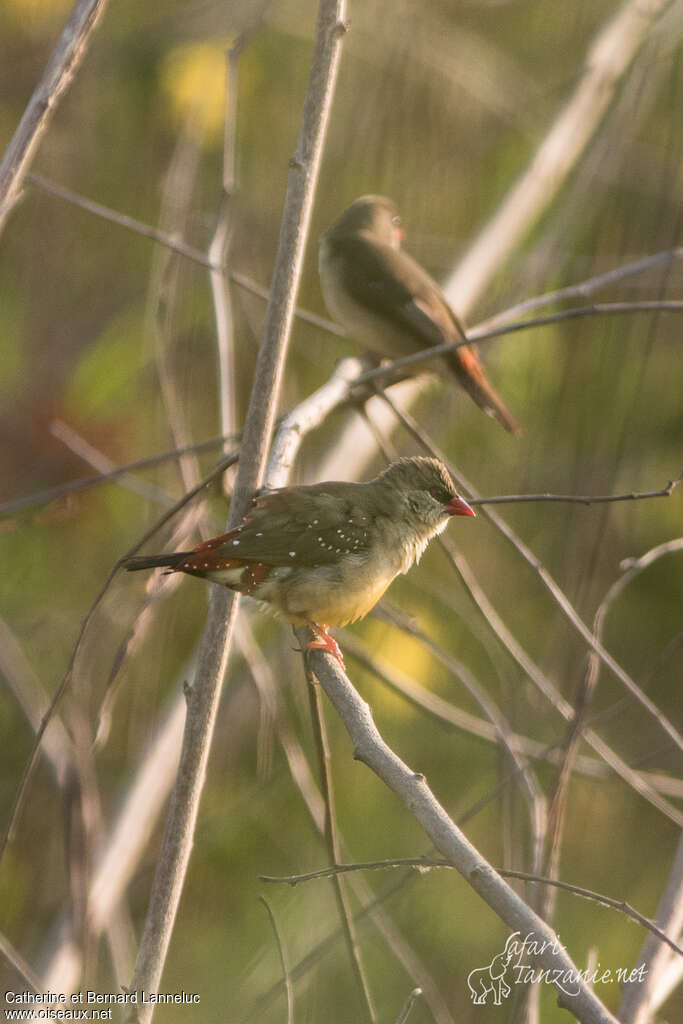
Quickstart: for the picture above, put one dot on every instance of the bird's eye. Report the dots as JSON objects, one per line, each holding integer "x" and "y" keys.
{"x": 396, "y": 221}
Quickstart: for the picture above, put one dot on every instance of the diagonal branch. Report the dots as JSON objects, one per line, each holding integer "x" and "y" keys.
{"x": 412, "y": 788}
{"x": 59, "y": 73}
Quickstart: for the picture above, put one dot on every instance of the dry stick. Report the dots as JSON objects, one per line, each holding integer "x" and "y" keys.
{"x": 177, "y": 245}
{"x": 639, "y": 1001}
{"x": 332, "y": 840}
{"x": 426, "y": 863}
{"x": 203, "y": 701}
{"x": 580, "y": 290}
{"x": 396, "y": 368}
{"x": 80, "y": 447}
{"x": 609, "y": 57}
{"x": 62, "y": 687}
{"x": 283, "y": 960}
{"x": 75, "y": 486}
{"x": 580, "y": 499}
{"x": 554, "y": 589}
{"x": 64, "y": 62}
{"x": 412, "y": 789}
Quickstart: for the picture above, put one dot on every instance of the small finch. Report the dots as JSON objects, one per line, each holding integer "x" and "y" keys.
{"x": 388, "y": 303}
{"x": 323, "y": 554}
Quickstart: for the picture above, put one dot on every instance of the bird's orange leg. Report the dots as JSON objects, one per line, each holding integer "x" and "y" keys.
{"x": 324, "y": 642}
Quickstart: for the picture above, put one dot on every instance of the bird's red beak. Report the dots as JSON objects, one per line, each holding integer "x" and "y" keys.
{"x": 459, "y": 507}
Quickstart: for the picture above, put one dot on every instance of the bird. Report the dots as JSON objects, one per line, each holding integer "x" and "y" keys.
{"x": 323, "y": 554}
{"x": 389, "y": 303}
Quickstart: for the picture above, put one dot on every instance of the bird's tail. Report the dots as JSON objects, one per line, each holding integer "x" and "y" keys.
{"x": 169, "y": 561}
{"x": 465, "y": 364}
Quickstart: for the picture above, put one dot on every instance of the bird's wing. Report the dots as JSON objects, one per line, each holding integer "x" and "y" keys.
{"x": 297, "y": 526}
{"x": 389, "y": 281}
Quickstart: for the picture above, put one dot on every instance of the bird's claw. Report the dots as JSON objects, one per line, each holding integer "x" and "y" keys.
{"x": 324, "y": 642}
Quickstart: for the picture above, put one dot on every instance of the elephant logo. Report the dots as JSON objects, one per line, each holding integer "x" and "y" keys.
{"x": 483, "y": 981}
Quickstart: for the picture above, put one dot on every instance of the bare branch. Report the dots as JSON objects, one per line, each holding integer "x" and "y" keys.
{"x": 65, "y": 61}
{"x": 412, "y": 789}
{"x": 427, "y": 863}
{"x": 138, "y": 227}
{"x": 581, "y": 289}
{"x": 395, "y": 370}
{"x": 580, "y": 499}
{"x": 609, "y": 58}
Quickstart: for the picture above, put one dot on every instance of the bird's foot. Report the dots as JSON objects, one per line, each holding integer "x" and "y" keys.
{"x": 324, "y": 642}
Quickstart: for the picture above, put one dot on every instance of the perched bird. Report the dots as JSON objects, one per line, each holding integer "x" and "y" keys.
{"x": 390, "y": 304}
{"x": 322, "y": 555}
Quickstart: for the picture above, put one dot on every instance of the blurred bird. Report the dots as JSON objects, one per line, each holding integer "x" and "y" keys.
{"x": 322, "y": 555}
{"x": 389, "y": 303}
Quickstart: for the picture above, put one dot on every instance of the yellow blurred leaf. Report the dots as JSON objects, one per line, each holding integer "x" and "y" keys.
{"x": 194, "y": 79}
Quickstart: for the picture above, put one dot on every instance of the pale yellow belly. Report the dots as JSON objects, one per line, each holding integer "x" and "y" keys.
{"x": 326, "y": 600}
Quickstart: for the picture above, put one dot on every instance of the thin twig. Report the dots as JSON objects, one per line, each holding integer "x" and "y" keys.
{"x": 177, "y": 245}
{"x": 66, "y": 58}
{"x": 396, "y": 369}
{"x": 283, "y": 960}
{"x": 580, "y": 499}
{"x": 84, "y": 484}
{"x": 581, "y": 289}
{"x": 609, "y": 57}
{"x": 427, "y": 863}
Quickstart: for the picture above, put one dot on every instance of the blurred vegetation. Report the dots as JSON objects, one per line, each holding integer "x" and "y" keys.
{"x": 440, "y": 106}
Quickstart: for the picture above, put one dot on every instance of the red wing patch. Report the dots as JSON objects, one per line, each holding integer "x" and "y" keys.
{"x": 215, "y": 542}
{"x": 254, "y": 574}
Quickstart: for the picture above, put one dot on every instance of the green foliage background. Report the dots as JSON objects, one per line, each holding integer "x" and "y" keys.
{"x": 440, "y": 106}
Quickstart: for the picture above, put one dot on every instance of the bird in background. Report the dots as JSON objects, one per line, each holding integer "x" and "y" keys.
{"x": 323, "y": 554}
{"x": 389, "y": 303}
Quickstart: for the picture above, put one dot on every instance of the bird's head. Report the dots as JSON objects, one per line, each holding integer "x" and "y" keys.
{"x": 374, "y": 215}
{"x": 427, "y": 490}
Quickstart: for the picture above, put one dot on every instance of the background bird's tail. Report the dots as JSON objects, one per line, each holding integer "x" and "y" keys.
{"x": 465, "y": 364}
{"x": 169, "y": 561}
